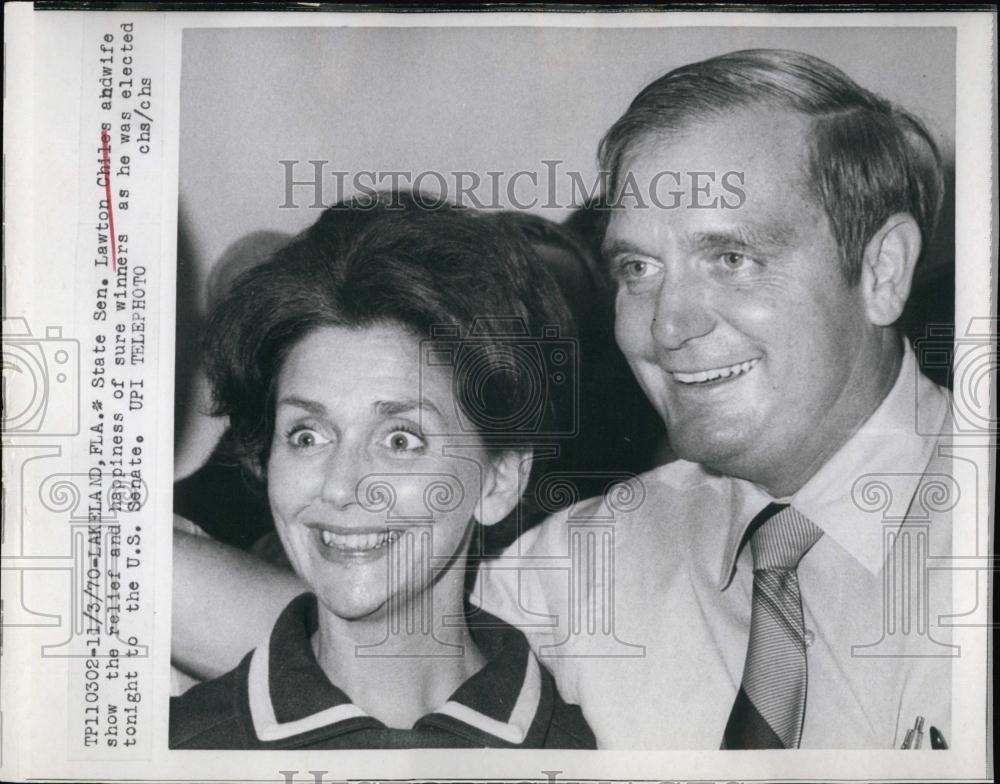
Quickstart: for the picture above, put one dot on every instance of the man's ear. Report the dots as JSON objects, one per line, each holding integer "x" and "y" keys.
{"x": 887, "y": 268}
{"x": 505, "y": 478}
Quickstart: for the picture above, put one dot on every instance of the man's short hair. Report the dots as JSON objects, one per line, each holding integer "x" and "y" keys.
{"x": 868, "y": 158}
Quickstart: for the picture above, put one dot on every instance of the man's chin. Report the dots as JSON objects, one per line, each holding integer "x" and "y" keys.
{"x": 724, "y": 452}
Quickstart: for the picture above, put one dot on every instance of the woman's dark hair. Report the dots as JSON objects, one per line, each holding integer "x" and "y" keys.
{"x": 472, "y": 289}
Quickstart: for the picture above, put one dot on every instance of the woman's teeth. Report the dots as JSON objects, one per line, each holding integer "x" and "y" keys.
{"x": 701, "y": 376}
{"x": 372, "y": 541}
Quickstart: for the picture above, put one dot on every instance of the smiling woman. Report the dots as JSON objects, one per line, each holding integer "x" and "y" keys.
{"x": 371, "y": 380}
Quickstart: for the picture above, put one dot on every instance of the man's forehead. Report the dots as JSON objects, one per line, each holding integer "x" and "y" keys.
{"x": 742, "y": 175}
{"x": 768, "y": 147}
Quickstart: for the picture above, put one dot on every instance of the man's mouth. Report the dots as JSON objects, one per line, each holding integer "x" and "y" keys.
{"x": 361, "y": 542}
{"x": 714, "y": 374}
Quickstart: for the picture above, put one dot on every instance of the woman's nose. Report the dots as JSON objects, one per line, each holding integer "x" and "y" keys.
{"x": 342, "y": 473}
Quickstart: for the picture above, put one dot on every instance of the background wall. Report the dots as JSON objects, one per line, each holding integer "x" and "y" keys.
{"x": 461, "y": 98}
{"x": 447, "y": 99}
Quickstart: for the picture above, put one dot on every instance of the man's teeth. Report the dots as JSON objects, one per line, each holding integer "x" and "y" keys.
{"x": 701, "y": 376}
{"x": 372, "y": 541}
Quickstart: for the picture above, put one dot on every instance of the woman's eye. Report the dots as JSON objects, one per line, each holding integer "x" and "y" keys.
{"x": 304, "y": 438}
{"x": 404, "y": 441}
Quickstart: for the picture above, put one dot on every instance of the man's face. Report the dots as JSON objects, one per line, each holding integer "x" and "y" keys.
{"x": 738, "y": 322}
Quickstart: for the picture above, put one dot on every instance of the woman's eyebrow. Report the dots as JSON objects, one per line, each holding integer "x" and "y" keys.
{"x": 311, "y": 406}
{"x": 386, "y": 408}
{"x": 391, "y": 408}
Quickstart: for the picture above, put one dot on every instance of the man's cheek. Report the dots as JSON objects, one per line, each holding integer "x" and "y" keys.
{"x": 632, "y": 330}
{"x": 654, "y": 383}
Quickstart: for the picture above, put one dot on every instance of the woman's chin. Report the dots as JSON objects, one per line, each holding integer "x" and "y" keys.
{"x": 351, "y": 607}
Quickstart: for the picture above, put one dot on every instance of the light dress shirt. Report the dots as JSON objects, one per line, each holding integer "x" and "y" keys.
{"x": 639, "y": 601}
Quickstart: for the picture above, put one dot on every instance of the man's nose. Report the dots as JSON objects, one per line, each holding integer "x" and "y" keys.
{"x": 342, "y": 471}
{"x": 681, "y": 313}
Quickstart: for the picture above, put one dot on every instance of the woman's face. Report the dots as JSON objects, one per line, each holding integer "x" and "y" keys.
{"x": 368, "y": 504}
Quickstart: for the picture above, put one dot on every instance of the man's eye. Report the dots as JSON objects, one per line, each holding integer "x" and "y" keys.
{"x": 735, "y": 261}
{"x": 404, "y": 441}
{"x": 304, "y": 438}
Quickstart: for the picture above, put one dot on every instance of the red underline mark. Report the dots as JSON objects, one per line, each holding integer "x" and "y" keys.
{"x": 106, "y": 154}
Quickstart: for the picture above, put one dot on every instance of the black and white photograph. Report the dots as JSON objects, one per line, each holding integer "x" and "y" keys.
{"x": 589, "y": 395}
{"x": 418, "y": 365}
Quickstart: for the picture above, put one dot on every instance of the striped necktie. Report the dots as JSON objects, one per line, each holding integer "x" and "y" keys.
{"x": 771, "y": 702}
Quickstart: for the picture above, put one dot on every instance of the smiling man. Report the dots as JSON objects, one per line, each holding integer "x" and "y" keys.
{"x": 770, "y": 588}
{"x": 748, "y": 601}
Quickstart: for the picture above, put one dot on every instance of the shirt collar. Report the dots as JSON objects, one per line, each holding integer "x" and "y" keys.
{"x": 504, "y": 698}
{"x": 289, "y": 694}
{"x": 746, "y": 500}
{"x": 894, "y": 445}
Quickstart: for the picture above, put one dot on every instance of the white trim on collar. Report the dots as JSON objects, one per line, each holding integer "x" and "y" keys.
{"x": 268, "y": 729}
{"x": 515, "y": 729}
{"x": 265, "y": 724}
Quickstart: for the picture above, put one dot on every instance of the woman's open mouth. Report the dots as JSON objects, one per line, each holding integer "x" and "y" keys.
{"x": 360, "y": 542}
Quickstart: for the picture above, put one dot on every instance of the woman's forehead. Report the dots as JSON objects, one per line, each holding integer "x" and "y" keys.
{"x": 380, "y": 366}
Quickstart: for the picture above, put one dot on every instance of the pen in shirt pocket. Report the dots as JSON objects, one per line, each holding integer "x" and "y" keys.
{"x": 914, "y": 737}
